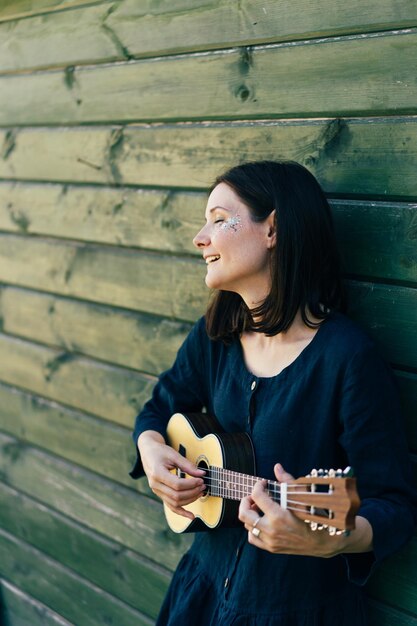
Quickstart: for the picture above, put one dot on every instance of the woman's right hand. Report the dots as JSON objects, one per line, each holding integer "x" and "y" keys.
{"x": 158, "y": 460}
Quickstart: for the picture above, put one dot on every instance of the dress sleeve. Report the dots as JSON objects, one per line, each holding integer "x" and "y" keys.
{"x": 181, "y": 388}
{"x": 373, "y": 437}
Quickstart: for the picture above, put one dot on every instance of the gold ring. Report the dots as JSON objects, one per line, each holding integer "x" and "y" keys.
{"x": 256, "y": 532}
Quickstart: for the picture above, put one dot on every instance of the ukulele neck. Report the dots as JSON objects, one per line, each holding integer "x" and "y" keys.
{"x": 235, "y": 486}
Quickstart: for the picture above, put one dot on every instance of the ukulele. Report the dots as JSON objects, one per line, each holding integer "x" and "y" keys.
{"x": 324, "y": 499}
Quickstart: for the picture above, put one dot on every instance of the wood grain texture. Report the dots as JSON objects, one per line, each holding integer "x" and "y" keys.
{"x": 119, "y": 513}
{"x": 374, "y": 157}
{"x": 20, "y": 609}
{"x": 143, "y": 218}
{"x": 308, "y": 79}
{"x": 105, "y": 449}
{"x": 142, "y": 28}
{"x": 141, "y": 281}
{"x": 377, "y": 238}
{"x": 56, "y": 586}
{"x": 18, "y": 9}
{"x": 135, "y": 340}
{"x": 388, "y": 314}
{"x": 115, "y": 569}
{"x": 106, "y": 391}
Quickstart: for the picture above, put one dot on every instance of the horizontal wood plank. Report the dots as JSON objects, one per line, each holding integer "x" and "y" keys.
{"x": 139, "y": 341}
{"x": 56, "y": 586}
{"x": 141, "y": 281}
{"x": 109, "y": 565}
{"x": 377, "y": 238}
{"x": 356, "y": 157}
{"x": 117, "y": 512}
{"x": 309, "y": 79}
{"x": 388, "y": 314}
{"x": 17, "y": 9}
{"x": 106, "y": 391}
{"x": 20, "y": 609}
{"x": 57, "y": 39}
{"x": 150, "y": 344}
{"x": 101, "y": 447}
{"x": 173, "y": 286}
{"x": 149, "y": 219}
{"x": 135, "y": 28}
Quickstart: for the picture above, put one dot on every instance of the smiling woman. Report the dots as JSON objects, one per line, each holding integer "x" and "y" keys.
{"x": 275, "y": 358}
{"x": 236, "y": 247}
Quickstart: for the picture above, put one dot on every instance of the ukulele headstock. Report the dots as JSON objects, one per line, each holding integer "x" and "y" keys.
{"x": 330, "y": 500}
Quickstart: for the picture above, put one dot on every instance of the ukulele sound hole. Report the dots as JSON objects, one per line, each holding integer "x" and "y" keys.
{"x": 202, "y": 463}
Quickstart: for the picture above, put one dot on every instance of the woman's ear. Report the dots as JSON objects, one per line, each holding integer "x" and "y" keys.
{"x": 271, "y": 232}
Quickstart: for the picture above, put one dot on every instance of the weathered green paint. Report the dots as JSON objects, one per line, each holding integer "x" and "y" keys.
{"x": 58, "y": 587}
{"x": 148, "y": 282}
{"x": 98, "y": 279}
{"x": 373, "y": 157}
{"x": 377, "y": 238}
{"x": 13, "y": 9}
{"x": 309, "y": 79}
{"x": 19, "y": 609}
{"x": 136, "y": 340}
{"x": 388, "y": 312}
{"x": 133, "y": 579}
{"x": 103, "y": 448}
{"x": 119, "y": 513}
{"x": 149, "y": 219}
{"x": 136, "y": 28}
{"x": 110, "y": 392}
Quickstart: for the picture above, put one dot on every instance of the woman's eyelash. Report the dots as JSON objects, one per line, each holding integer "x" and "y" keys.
{"x": 218, "y": 220}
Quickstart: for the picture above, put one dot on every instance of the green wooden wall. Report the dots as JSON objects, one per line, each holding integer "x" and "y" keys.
{"x": 114, "y": 119}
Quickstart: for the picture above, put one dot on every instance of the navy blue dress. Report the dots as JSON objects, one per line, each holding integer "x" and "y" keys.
{"x": 335, "y": 405}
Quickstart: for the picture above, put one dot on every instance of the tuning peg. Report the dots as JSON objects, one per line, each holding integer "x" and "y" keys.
{"x": 320, "y": 472}
{"x": 313, "y": 525}
{"x": 332, "y": 473}
{"x": 332, "y": 530}
{"x": 314, "y": 473}
{"x": 348, "y": 471}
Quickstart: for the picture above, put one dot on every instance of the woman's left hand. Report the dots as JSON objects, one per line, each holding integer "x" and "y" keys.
{"x": 279, "y": 530}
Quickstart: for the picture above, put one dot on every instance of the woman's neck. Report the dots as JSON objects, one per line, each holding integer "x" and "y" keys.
{"x": 268, "y": 356}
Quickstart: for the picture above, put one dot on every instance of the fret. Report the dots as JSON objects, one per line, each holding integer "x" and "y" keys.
{"x": 235, "y": 486}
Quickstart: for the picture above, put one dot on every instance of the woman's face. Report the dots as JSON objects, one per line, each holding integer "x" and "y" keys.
{"x": 236, "y": 249}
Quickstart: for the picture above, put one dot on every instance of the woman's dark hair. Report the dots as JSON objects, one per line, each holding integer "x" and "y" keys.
{"x": 305, "y": 262}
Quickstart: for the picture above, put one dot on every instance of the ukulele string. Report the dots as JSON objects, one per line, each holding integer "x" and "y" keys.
{"x": 241, "y": 494}
{"x": 228, "y": 485}
{"x": 271, "y": 485}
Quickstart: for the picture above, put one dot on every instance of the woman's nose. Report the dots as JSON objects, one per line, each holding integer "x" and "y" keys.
{"x": 201, "y": 239}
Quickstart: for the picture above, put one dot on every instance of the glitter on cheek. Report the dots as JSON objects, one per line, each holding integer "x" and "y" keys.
{"x": 233, "y": 223}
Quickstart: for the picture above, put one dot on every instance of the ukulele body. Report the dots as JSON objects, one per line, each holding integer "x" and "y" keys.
{"x": 199, "y": 438}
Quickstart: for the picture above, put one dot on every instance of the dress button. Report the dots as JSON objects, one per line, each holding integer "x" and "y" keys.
{"x": 226, "y": 582}
{"x": 253, "y": 385}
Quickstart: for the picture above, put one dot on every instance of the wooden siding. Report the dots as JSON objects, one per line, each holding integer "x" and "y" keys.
{"x": 114, "y": 119}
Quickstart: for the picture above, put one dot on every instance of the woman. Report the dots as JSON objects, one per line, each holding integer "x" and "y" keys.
{"x": 275, "y": 357}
